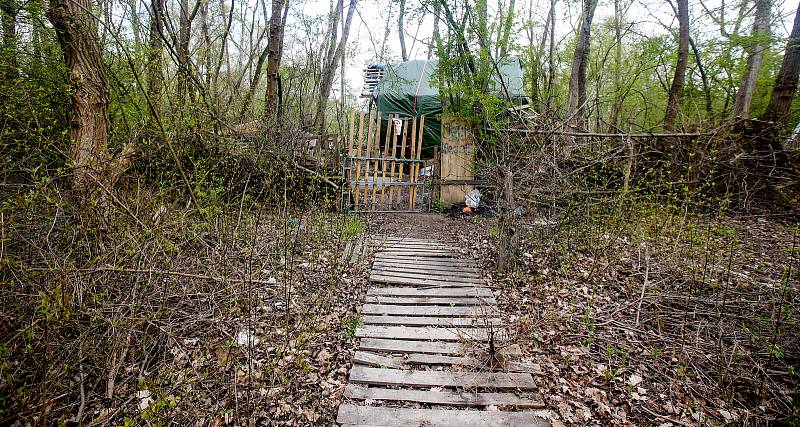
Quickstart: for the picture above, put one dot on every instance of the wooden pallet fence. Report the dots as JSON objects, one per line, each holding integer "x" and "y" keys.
{"x": 382, "y": 166}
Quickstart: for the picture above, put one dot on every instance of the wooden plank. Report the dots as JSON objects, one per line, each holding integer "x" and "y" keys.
{"x": 390, "y": 238}
{"x": 404, "y": 346}
{"x": 358, "y": 162}
{"x": 428, "y": 283}
{"x": 415, "y": 176}
{"x": 390, "y": 265}
{"x": 352, "y": 133}
{"x": 385, "y": 163}
{"x": 376, "y": 360}
{"x": 471, "y": 380}
{"x": 422, "y": 333}
{"x": 392, "y": 165}
{"x": 416, "y": 277}
{"x": 437, "y": 359}
{"x": 355, "y": 415}
{"x": 368, "y": 153}
{"x": 402, "y": 164}
{"x": 431, "y": 321}
{"x": 444, "y": 397}
{"x": 451, "y": 301}
{"x": 375, "y": 162}
{"x": 411, "y": 166}
{"x": 400, "y": 310}
{"x": 384, "y": 269}
{"x": 452, "y": 260}
{"x": 435, "y": 292}
{"x": 432, "y": 252}
{"x": 429, "y": 264}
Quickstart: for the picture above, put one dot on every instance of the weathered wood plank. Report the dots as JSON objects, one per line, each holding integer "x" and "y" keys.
{"x": 433, "y": 292}
{"x": 431, "y": 321}
{"x": 401, "y": 346}
{"x": 372, "y": 359}
{"x": 409, "y": 378}
{"x": 430, "y": 261}
{"x": 382, "y": 278}
{"x": 436, "y": 359}
{"x": 451, "y": 301}
{"x": 423, "y": 333}
{"x": 412, "y": 274}
{"x": 451, "y": 267}
{"x": 406, "y": 270}
{"x": 430, "y": 311}
{"x": 355, "y": 415}
{"x": 445, "y": 397}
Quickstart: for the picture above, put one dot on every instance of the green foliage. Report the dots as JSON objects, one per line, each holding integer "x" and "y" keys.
{"x": 349, "y": 227}
{"x": 349, "y": 326}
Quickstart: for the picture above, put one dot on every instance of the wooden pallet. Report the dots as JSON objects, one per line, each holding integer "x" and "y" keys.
{"x": 423, "y": 352}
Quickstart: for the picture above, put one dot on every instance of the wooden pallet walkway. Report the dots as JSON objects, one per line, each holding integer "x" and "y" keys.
{"x": 423, "y": 355}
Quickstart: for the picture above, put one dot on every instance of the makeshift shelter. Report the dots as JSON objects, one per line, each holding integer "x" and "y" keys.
{"x": 411, "y": 89}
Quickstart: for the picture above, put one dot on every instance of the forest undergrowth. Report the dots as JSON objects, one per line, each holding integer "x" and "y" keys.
{"x": 169, "y": 316}
{"x": 654, "y": 315}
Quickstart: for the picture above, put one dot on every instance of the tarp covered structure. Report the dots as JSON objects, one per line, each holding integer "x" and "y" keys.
{"x": 411, "y": 89}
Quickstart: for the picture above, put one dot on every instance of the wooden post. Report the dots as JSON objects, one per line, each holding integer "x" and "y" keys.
{"x": 402, "y": 164}
{"x": 358, "y": 154}
{"x": 505, "y": 248}
{"x": 375, "y": 162}
{"x": 391, "y": 166}
{"x": 416, "y": 165}
{"x": 413, "y": 150}
{"x": 348, "y": 165}
{"x": 370, "y": 130}
{"x": 385, "y": 163}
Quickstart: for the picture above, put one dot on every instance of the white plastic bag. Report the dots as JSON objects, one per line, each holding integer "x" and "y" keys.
{"x": 473, "y": 198}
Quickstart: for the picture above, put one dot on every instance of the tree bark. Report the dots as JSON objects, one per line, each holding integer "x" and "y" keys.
{"x": 780, "y": 103}
{"x": 274, "y": 53}
{"x": 674, "y": 101}
{"x": 551, "y": 57}
{"x": 155, "y": 78}
{"x": 616, "y": 106}
{"x": 401, "y": 30}
{"x": 330, "y": 69}
{"x": 580, "y": 61}
{"x": 76, "y": 30}
{"x": 741, "y": 106}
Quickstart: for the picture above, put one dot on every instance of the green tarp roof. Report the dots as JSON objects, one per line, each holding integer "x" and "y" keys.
{"x": 411, "y": 89}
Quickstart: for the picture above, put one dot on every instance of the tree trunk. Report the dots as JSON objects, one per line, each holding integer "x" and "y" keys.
{"x": 741, "y": 106}
{"x": 674, "y": 101}
{"x": 506, "y": 30}
{"x": 401, "y": 30}
{"x": 780, "y": 103}
{"x": 273, "y": 64}
{"x": 580, "y": 61}
{"x": 616, "y": 105}
{"x": 76, "y": 30}
{"x": 8, "y": 15}
{"x": 551, "y": 57}
{"x": 155, "y": 78}
{"x": 704, "y": 79}
{"x": 435, "y": 38}
{"x": 330, "y": 69}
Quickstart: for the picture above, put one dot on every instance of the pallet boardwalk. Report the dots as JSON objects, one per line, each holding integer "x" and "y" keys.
{"x": 423, "y": 352}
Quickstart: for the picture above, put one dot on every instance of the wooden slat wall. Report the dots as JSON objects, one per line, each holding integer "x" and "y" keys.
{"x": 383, "y": 168}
